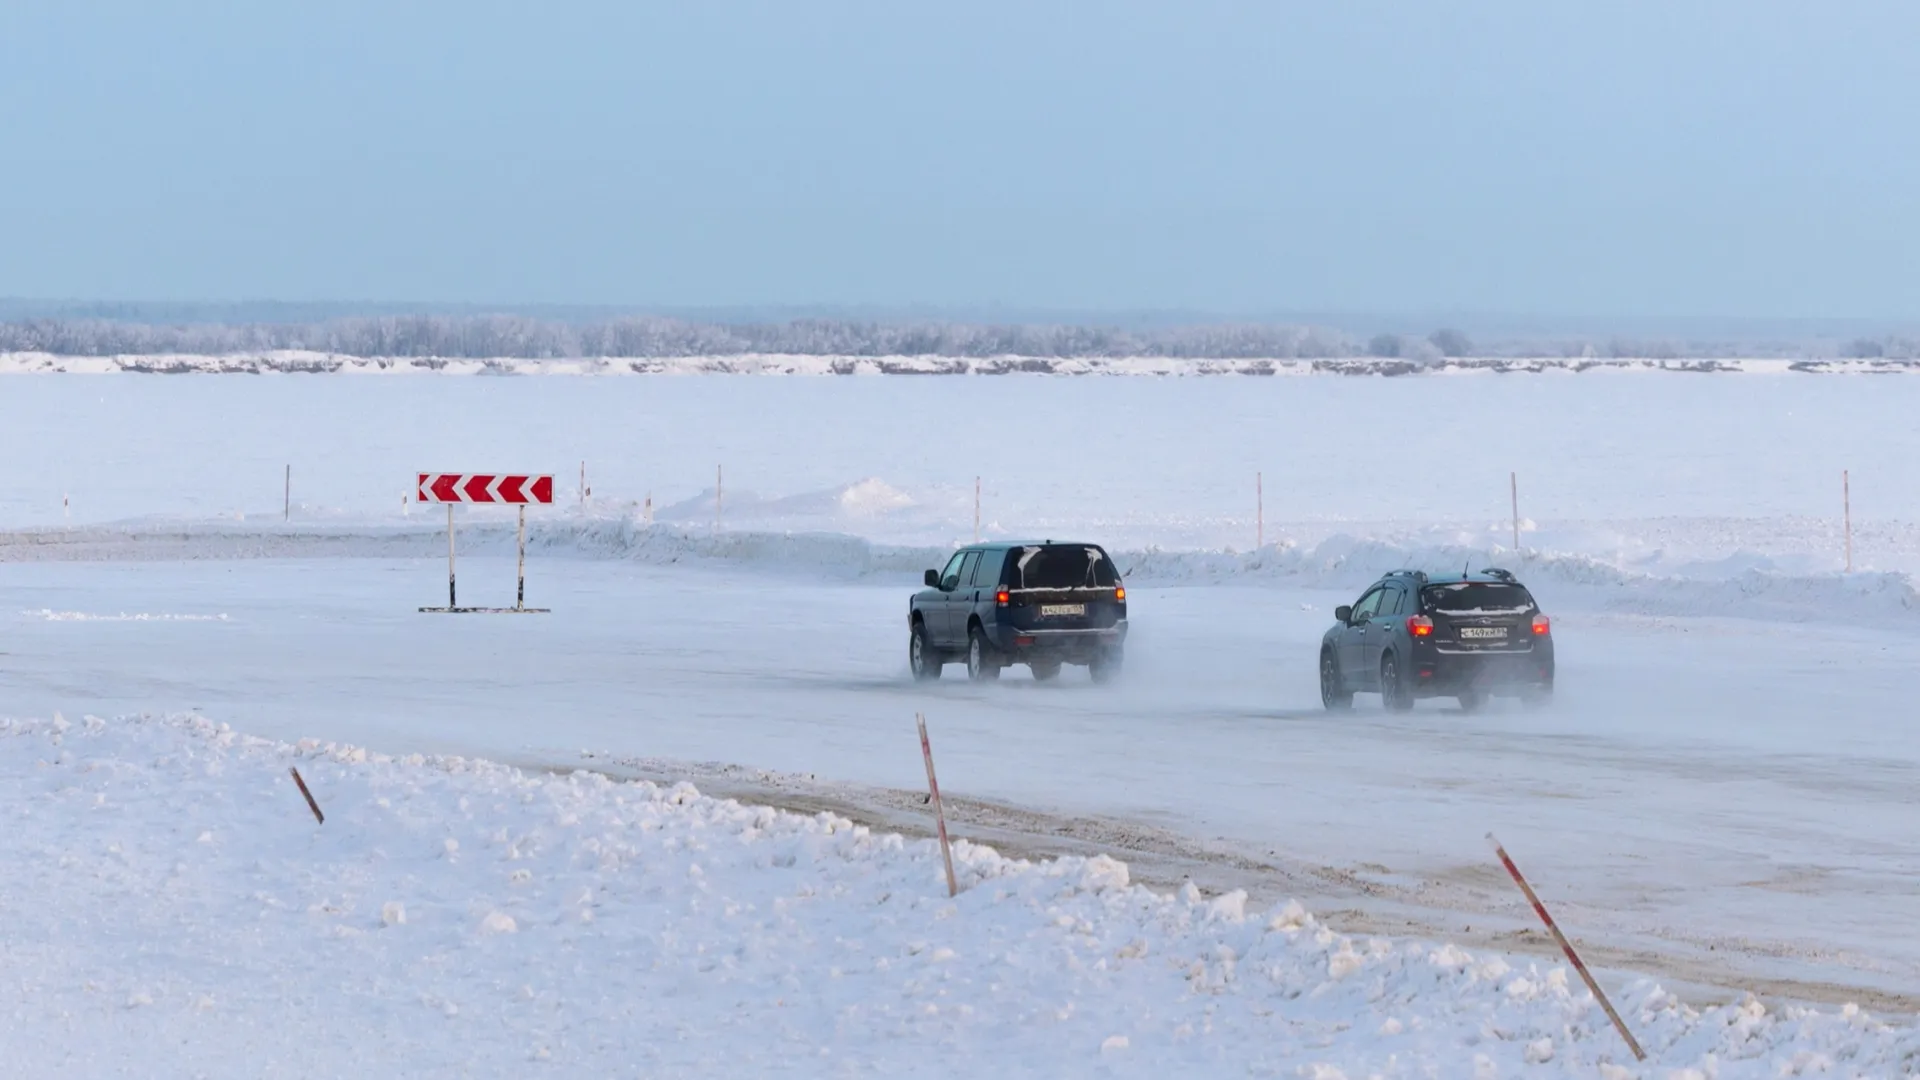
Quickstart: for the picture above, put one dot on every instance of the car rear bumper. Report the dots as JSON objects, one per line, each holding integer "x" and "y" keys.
{"x": 1447, "y": 674}
{"x": 1069, "y": 646}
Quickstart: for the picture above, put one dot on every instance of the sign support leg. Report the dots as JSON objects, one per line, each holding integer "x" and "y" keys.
{"x": 451, "y": 602}
{"x": 520, "y": 594}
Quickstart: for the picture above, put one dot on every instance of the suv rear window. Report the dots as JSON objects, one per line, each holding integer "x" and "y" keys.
{"x": 1478, "y": 598}
{"x": 1063, "y": 566}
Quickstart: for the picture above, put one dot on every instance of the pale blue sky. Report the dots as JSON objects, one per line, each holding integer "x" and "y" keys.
{"x": 1757, "y": 158}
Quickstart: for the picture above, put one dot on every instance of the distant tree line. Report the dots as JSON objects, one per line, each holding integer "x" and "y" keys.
{"x": 645, "y": 337}
{"x": 518, "y": 337}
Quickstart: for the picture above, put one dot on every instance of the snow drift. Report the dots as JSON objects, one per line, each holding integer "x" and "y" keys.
{"x": 173, "y": 909}
{"x": 1341, "y": 562}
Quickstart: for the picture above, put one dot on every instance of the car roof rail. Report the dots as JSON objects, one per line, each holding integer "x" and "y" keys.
{"x": 1496, "y": 572}
{"x": 1417, "y": 575}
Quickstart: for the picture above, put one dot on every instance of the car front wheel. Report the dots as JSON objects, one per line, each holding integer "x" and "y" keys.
{"x": 1333, "y": 693}
{"x": 920, "y": 656}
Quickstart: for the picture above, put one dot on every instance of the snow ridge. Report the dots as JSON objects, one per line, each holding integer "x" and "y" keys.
{"x": 1338, "y": 562}
{"x": 464, "y": 917}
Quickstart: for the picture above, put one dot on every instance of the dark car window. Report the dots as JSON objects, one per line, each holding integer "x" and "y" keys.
{"x": 987, "y": 574}
{"x": 1395, "y": 602}
{"x": 967, "y": 567}
{"x": 1369, "y": 605}
{"x": 1064, "y": 566}
{"x": 950, "y": 577}
{"x": 1479, "y": 598}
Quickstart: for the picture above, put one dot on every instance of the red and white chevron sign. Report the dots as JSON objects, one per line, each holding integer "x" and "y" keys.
{"x": 484, "y": 488}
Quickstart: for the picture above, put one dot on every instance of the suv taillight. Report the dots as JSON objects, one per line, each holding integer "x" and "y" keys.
{"x": 1120, "y": 595}
{"x": 1542, "y": 626}
{"x": 1420, "y": 626}
{"x": 1001, "y": 598}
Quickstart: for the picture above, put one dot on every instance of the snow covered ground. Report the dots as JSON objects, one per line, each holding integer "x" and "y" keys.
{"x": 1627, "y": 464}
{"x": 1720, "y": 801}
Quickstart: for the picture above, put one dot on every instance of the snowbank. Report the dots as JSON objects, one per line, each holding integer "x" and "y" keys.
{"x": 292, "y": 362}
{"x": 173, "y": 909}
{"x": 1739, "y": 587}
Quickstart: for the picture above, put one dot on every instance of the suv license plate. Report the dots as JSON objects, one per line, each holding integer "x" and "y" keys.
{"x": 1055, "y": 611}
{"x": 1483, "y": 633}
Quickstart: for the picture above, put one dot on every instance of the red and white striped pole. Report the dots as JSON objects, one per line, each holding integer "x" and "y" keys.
{"x": 1567, "y": 947}
{"x": 939, "y": 815}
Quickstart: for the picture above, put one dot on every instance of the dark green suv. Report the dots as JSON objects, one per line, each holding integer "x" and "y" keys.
{"x": 1042, "y": 605}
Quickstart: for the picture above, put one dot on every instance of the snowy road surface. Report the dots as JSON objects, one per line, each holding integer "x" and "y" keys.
{"x": 1725, "y": 801}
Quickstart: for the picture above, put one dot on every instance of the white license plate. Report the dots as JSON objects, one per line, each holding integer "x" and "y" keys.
{"x": 1482, "y": 633}
{"x": 1058, "y": 611}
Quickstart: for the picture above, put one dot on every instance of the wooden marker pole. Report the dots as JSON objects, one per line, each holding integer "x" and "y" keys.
{"x": 1567, "y": 947}
{"x": 1846, "y": 502}
{"x": 311, "y": 805}
{"x": 939, "y": 815}
{"x": 1513, "y": 487}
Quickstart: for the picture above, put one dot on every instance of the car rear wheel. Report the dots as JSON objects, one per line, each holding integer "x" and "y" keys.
{"x": 1393, "y": 691}
{"x": 921, "y": 658}
{"x": 982, "y": 665}
{"x": 1333, "y": 693}
{"x": 1045, "y": 671}
{"x": 1106, "y": 665}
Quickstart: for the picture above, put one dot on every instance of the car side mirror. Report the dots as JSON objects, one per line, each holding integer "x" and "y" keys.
{"x": 1344, "y": 613}
{"x": 933, "y": 579}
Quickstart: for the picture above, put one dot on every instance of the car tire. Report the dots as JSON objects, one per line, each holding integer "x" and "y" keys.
{"x": 1045, "y": 672}
{"x": 1333, "y": 691}
{"x": 1473, "y": 701}
{"x": 922, "y": 660}
{"x": 1393, "y": 688}
{"x": 1106, "y": 665}
{"x": 982, "y": 665}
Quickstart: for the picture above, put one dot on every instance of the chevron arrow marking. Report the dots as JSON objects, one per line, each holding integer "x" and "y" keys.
{"x": 483, "y": 488}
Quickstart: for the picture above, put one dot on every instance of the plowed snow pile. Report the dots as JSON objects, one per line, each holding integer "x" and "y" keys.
{"x": 172, "y": 909}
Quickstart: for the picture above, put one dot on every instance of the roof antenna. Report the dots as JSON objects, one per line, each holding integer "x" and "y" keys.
{"x": 1467, "y": 569}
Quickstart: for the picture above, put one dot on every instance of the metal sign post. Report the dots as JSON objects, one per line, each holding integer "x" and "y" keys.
{"x": 486, "y": 488}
